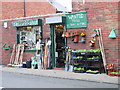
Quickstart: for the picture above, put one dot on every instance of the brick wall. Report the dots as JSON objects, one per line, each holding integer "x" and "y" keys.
{"x": 12, "y": 10}
{"x": 9, "y": 37}
{"x": 39, "y": 8}
{"x": 102, "y": 15}
{"x": 0, "y": 10}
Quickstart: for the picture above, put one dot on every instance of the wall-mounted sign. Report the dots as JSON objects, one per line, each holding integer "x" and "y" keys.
{"x": 5, "y": 24}
{"x": 56, "y": 19}
{"x": 32, "y": 22}
{"x": 76, "y": 20}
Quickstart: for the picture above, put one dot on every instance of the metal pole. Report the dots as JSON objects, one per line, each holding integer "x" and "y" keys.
{"x": 24, "y": 8}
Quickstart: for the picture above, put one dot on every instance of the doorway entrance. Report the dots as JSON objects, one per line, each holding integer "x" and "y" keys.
{"x": 59, "y": 46}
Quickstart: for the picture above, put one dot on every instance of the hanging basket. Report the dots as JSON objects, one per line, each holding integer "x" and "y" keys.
{"x": 5, "y": 47}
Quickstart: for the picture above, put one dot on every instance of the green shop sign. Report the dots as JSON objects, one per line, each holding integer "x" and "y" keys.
{"x": 32, "y": 22}
{"x": 76, "y": 20}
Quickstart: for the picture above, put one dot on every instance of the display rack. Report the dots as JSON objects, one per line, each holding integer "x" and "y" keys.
{"x": 89, "y": 62}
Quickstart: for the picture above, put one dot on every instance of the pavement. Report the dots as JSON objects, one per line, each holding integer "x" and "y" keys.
{"x": 102, "y": 78}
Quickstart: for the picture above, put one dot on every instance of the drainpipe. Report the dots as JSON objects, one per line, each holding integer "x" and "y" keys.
{"x": 24, "y": 8}
{"x": 83, "y": 1}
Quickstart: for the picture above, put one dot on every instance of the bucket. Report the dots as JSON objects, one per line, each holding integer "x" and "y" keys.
{"x": 71, "y": 68}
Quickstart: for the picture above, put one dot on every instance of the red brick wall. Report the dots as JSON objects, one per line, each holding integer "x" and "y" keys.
{"x": 12, "y": 10}
{"x": 16, "y": 9}
{"x": 9, "y": 37}
{"x": 39, "y": 8}
{"x": 0, "y": 10}
{"x": 102, "y": 15}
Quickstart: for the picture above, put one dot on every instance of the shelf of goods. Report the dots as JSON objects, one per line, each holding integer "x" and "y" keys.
{"x": 87, "y": 61}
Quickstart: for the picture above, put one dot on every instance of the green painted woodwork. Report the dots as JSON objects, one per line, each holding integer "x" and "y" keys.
{"x": 7, "y": 48}
{"x": 112, "y": 34}
{"x": 52, "y": 44}
{"x": 76, "y": 20}
{"x": 18, "y": 38}
{"x": 33, "y": 22}
{"x": 30, "y": 50}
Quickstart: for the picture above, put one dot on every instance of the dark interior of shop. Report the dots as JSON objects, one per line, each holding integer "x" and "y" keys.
{"x": 60, "y": 43}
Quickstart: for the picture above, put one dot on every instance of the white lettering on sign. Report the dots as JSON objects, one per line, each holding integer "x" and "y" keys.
{"x": 76, "y": 16}
{"x": 25, "y": 22}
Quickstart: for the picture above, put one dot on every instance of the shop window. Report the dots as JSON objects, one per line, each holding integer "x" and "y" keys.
{"x": 29, "y": 36}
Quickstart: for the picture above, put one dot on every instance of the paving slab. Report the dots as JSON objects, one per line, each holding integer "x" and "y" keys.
{"x": 64, "y": 74}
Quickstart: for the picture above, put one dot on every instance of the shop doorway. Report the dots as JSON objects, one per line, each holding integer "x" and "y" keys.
{"x": 60, "y": 46}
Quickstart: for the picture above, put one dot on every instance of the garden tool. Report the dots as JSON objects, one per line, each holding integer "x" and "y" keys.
{"x": 98, "y": 31}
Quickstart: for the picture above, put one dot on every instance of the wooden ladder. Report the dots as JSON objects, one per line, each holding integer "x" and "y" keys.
{"x": 12, "y": 58}
{"x": 19, "y": 54}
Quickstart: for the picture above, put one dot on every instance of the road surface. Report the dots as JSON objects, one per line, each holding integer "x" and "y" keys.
{"x": 17, "y": 80}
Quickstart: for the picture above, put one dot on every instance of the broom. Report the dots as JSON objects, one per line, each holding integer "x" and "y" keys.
{"x": 100, "y": 39}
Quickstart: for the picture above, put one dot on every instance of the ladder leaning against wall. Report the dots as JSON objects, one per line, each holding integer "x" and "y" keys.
{"x": 17, "y": 54}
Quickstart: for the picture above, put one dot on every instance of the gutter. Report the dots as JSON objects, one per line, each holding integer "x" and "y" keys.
{"x": 33, "y": 17}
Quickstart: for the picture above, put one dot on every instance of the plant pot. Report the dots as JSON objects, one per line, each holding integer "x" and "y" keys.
{"x": 76, "y": 39}
{"x": 77, "y": 32}
{"x": 67, "y": 34}
{"x": 82, "y": 40}
{"x": 71, "y": 34}
{"x": 92, "y": 43}
{"x": 83, "y": 34}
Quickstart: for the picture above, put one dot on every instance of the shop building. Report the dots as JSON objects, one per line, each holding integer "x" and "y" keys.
{"x": 27, "y": 31}
{"x": 18, "y": 17}
{"x": 82, "y": 23}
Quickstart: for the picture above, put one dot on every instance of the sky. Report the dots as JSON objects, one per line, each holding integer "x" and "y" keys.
{"x": 66, "y": 3}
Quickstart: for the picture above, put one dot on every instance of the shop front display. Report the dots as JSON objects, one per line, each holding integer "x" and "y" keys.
{"x": 82, "y": 41}
{"x": 29, "y": 38}
{"x": 29, "y": 32}
{"x": 87, "y": 61}
{"x": 58, "y": 39}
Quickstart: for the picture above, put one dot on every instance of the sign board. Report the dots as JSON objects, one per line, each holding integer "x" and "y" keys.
{"x": 32, "y": 22}
{"x": 76, "y": 20}
{"x": 53, "y": 20}
{"x": 5, "y": 24}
